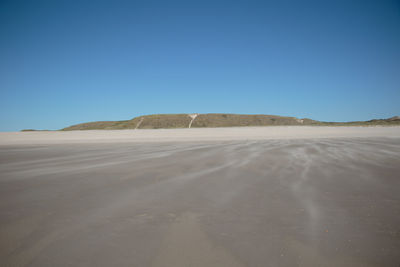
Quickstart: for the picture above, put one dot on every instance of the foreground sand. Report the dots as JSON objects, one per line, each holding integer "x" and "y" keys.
{"x": 273, "y": 202}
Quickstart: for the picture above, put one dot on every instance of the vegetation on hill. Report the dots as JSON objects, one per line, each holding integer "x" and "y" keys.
{"x": 229, "y": 120}
{"x": 165, "y": 121}
{"x": 146, "y": 122}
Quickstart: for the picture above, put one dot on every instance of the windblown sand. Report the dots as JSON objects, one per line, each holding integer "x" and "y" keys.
{"x": 270, "y": 196}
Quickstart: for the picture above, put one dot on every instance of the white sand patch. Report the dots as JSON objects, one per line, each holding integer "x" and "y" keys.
{"x": 193, "y": 116}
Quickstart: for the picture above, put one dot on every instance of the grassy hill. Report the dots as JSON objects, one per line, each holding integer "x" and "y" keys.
{"x": 164, "y": 121}
{"x": 183, "y": 120}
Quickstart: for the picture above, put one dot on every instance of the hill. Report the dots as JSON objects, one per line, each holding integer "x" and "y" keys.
{"x": 165, "y": 121}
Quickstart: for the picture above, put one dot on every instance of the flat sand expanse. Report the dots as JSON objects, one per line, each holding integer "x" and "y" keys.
{"x": 273, "y": 202}
{"x": 194, "y": 134}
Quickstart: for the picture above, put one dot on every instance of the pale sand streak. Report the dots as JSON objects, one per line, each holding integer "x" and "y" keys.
{"x": 192, "y": 116}
{"x": 195, "y": 134}
{"x": 138, "y": 124}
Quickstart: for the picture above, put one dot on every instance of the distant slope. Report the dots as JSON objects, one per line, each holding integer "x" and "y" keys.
{"x": 147, "y": 122}
{"x": 165, "y": 121}
{"x": 229, "y": 120}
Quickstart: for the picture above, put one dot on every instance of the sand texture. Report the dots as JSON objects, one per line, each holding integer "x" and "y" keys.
{"x": 264, "y": 202}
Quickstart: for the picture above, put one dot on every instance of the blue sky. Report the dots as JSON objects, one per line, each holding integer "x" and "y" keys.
{"x": 66, "y": 62}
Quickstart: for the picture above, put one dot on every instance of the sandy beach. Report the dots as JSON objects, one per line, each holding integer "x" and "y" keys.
{"x": 268, "y": 196}
{"x": 194, "y": 134}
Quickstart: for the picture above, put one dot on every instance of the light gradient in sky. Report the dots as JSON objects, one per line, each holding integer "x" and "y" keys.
{"x": 66, "y": 62}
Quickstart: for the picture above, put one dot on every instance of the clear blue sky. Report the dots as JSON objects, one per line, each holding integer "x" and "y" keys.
{"x": 66, "y": 62}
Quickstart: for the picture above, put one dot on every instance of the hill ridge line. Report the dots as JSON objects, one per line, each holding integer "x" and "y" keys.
{"x": 212, "y": 120}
